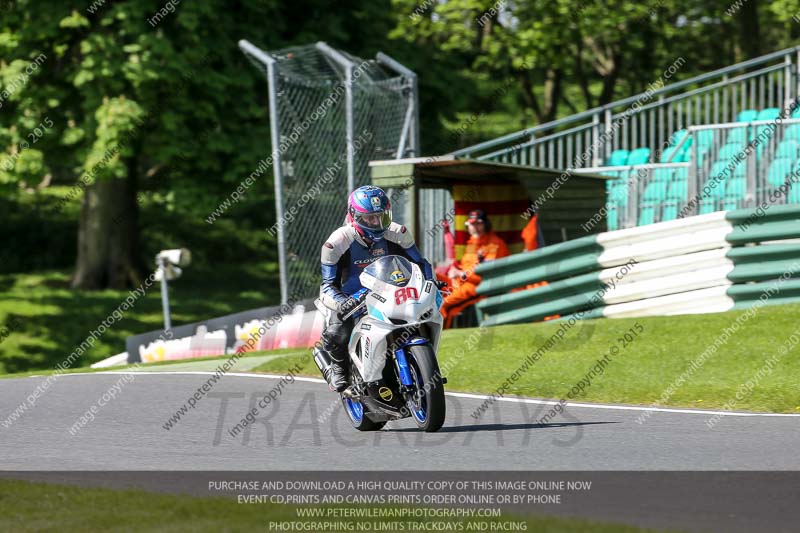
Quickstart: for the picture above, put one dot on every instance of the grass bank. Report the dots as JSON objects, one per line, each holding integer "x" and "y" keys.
{"x": 664, "y": 351}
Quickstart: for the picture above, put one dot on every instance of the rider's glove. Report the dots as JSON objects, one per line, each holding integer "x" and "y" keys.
{"x": 347, "y": 305}
{"x": 440, "y": 284}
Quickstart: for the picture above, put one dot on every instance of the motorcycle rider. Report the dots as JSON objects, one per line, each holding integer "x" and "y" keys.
{"x": 367, "y": 235}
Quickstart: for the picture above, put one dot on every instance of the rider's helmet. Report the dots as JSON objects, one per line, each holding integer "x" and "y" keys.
{"x": 369, "y": 211}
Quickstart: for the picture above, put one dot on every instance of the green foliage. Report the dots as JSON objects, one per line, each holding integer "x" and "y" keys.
{"x": 104, "y": 69}
{"x": 178, "y": 104}
{"x": 117, "y": 119}
{"x": 565, "y": 56}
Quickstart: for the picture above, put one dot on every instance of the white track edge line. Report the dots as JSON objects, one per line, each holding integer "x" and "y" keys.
{"x": 513, "y": 399}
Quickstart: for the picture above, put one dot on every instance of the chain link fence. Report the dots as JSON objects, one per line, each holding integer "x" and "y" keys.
{"x": 330, "y": 114}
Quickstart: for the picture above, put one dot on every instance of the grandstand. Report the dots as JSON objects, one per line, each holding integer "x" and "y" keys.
{"x": 725, "y": 140}
{"x": 703, "y": 208}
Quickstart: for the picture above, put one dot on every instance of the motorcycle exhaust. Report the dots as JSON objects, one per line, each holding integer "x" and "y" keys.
{"x": 323, "y": 361}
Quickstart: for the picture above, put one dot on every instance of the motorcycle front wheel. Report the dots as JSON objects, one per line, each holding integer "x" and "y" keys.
{"x": 427, "y": 405}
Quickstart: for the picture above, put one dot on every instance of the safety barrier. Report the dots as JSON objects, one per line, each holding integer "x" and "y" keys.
{"x": 707, "y": 263}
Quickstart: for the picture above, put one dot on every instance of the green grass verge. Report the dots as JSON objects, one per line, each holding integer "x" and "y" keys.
{"x": 178, "y": 362}
{"x": 233, "y": 269}
{"x": 640, "y": 373}
{"x": 43, "y": 507}
{"x": 52, "y": 320}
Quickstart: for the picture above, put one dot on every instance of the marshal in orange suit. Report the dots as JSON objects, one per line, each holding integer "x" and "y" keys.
{"x": 483, "y": 245}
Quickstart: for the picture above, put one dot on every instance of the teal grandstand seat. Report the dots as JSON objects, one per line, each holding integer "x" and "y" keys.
{"x": 770, "y": 113}
{"x": 730, "y": 205}
{"x": 788, "y": 148}
{"x": 747, "y": 115}
{"x": 720, "y": 168}
{"x": 794, "y": 194}
{"x": 676, "y": 137}
{"x": 764, "y": 132}
{"x": 678, "y": 190}
{"x": 707, "y": 206}
{"x": 663, "y": 174}
{"x": 792, "y": 132}
{"x": 702, "y": 153}
{"x": 730, "y": 150}
{"x": 619, "y": 194}
{"x": 670, "y": 211}
{"x": 736, "y": 188}
{"x": 656, "y": 191}
{"x": 778, "y": 170}
{"x": 717, "y": 191}
{"x": 737, "y": 136}
{"x": 618, "y": 158}
{"x": 685, "y": 152}
{"x": 668, "y": 153}
{"x": 640, "y": 156}
{"x": 681, "y": 173}
{"x": 647, "y": 214}
{"x": 740, "y": 170}
{"x": 705, "y": 138}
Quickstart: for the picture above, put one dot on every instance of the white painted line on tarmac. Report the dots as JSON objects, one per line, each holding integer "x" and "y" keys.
{"x": 513, "y": 399}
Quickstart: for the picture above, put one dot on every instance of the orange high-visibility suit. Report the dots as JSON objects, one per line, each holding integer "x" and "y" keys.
{"x": 484, "y": 248}
{"x": 530, "y": 234}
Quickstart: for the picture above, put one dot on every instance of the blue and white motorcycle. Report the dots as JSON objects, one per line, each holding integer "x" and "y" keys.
{"x": 394, "y": 372}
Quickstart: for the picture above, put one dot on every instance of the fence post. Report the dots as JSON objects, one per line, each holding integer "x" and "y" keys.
{"x": 692, "y": 177}
{"x": 750, "y": 172}
{"x": 634, "y": 190}
{"x": 277, "y": 172}
{"x": 795, "y": 81}
{"x": 413, "y": 103}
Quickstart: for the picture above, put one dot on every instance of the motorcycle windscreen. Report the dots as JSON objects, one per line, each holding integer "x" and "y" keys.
{"x": 391, "y": 269}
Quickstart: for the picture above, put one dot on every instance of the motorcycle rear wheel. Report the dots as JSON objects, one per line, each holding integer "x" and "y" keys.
{"x": 357, "y": 412}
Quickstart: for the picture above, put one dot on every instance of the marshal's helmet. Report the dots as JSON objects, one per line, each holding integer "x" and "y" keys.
{"x": 369, "y": 211}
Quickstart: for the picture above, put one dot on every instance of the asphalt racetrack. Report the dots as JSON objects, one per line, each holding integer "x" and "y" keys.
{"x": 306, "y": 429}
{"x": 306, "y": 424}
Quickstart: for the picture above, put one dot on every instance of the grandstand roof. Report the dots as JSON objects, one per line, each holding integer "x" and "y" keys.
{"x": 577, "y": 200}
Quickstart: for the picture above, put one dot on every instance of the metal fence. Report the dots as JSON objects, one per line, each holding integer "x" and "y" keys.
{"x": 731, "y": 166}
{"x": 648, "y": 119}
{"x": 330, "y": 114}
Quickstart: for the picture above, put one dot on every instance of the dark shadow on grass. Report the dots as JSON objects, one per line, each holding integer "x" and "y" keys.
{"x": 500, "y": 427}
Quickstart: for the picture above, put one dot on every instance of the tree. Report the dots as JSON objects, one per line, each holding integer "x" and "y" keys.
{"x": 154, "y": 96}
{"x": 565, "y": 56}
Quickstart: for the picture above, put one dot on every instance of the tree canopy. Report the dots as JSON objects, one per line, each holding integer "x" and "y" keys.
{"x": 96, "y": 97}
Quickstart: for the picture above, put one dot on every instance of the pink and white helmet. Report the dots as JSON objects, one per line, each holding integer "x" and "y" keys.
{"x": 369, "y": 211}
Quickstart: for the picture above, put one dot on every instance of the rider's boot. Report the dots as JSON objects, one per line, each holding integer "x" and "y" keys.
{"x": 339, "y": 371}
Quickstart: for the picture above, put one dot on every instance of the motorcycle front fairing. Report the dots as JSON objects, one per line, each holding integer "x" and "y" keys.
{"x": 399, "y": 297}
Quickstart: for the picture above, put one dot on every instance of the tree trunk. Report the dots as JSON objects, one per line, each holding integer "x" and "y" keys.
{"x": 749, "y": 31}
{"x": 552, "y": 94}
{"x": 107, "y": 236}
{"x": 610, "y": 80}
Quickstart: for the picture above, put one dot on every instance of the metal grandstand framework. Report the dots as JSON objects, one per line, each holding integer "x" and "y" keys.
{"x": 650, "y": 118}
{"x": 330, "y": 114}
{"x": 724, "y": 140}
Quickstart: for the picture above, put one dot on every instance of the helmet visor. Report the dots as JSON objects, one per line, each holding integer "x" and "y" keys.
{"x": 374, "y": 221}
